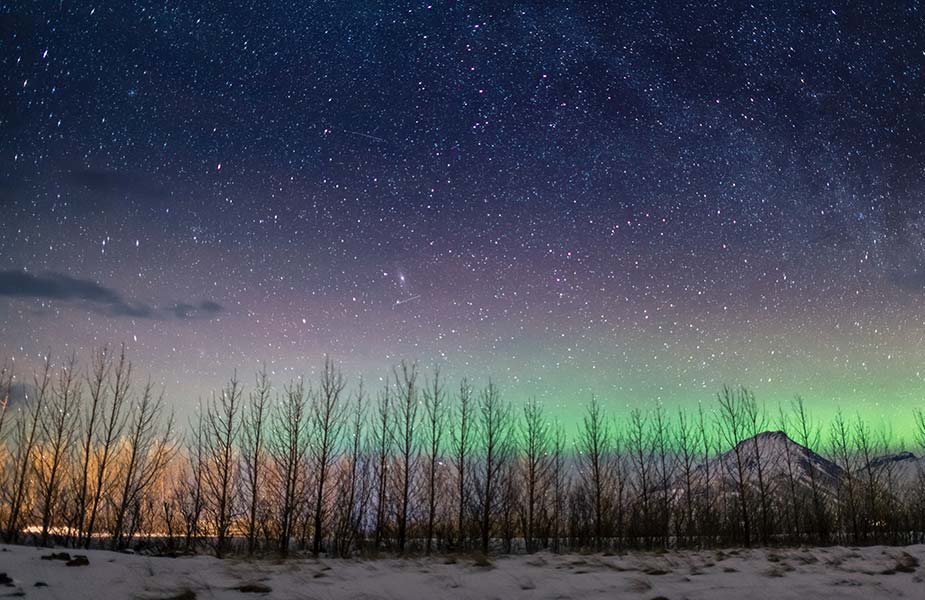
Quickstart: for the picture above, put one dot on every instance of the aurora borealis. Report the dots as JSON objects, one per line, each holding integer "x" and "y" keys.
{"x": 641, "y": 203}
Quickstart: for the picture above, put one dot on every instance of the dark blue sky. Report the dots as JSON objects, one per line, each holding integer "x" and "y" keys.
{"x": 640, "y": 200}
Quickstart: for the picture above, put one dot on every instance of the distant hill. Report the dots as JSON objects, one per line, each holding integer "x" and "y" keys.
{"x": 780, "y": 457}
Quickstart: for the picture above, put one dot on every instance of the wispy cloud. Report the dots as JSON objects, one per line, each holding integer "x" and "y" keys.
{"x": 98, "y": 298}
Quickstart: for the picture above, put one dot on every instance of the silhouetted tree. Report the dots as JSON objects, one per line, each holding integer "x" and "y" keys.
{"x": 253, "y": 450}
{"x": 594, "y": 441}
{"x": 26, "y": 437}
{"x": 288, "y": 446}
{"x": 435, "y": 418}
{"x": 58, "y": 428}
{"x": 534, "y": 440}
{"x": 328, "y": 411}
{"x": 494, "y": 441}
{"x": 462, "y": 436}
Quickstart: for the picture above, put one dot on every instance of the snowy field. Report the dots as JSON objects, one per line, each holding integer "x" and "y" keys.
{"x": 838, "y": 572}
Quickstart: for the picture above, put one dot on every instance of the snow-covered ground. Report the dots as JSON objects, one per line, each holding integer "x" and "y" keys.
{"x": 804, "y": 574}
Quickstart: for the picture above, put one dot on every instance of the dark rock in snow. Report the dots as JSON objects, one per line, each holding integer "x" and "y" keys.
{"x": 254, "y": 588}
{"x": 57, "y": 556}
{"x": 79, "y": 560}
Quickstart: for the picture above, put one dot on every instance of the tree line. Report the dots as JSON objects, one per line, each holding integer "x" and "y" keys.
{"x": 91, "y": 456}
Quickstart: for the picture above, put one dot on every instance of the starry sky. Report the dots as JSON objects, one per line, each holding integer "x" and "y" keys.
{"x": 640, "y": 201}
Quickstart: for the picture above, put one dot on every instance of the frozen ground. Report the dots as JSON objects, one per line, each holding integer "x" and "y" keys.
{"x": 875, "y": 572}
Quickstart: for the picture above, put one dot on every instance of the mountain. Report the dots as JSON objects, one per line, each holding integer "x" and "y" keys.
{"x": 904, "y": 468}
{"x": 779, "y": 457}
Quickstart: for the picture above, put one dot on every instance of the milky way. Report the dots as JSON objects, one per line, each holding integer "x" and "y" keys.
{"x": 572, "y": 198}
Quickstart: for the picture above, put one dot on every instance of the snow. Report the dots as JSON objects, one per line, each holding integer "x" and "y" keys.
{"x": 804, "y": 574}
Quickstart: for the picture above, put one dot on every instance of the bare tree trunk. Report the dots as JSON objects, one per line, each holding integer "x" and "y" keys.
{"x": 535, "y": 440}
{"x": 328, "y": 412}
{"x": 115, "y": 421}
{"x": 707, "y": 524}
{"x": 383, "y": 441}
{"x": 666, "y": 471}
{"x": 406, "y": 422}
{"x": 494, "y": 426}
{"x": 253, "y": 442}
{"x": 289, "y": 447}
{"x": 797, "y": 524}
{"x": 223, "y": 425}
{"x": 150, "y": 448}
{"x": 435, "y": 407}
{"x": 641, "y": 452}
{"x": 809, "y": 438}
{"x": 559, "y": 484}
{"x": 26, "y": 434}
{"x": 97, "y": 380}
{"x": 732, "y": 430}
{"x": 351, "y": 516}
{"x": 6, "y": 390}
{"x": 688, "y": 442}
{"x": 594, "y": 441}
{"x": 191, "y": 498}
{"x": 845, "y": 458}
{"x": 462, "y": 441}
{"x": 866, "y": 452}
{"x": 756, "y": 423}
{"x": 58, "y": 428}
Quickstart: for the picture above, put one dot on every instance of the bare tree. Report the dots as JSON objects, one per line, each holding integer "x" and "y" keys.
{"x": 58, "y": 428}
{"x": 253, "y": 449}
{"x": 97, "y": 380}
{"x": 191, "y": 500}
{"x": 534, "y": 438}
{"x": 406, "y": 420}
{"x": 641, "y": 450}
{"x": 6, "y": 390}
{"x": 706, "y": 516}
{"x": 688, "y": 444}
{"x": 866, "y": 451}
{"x": 594, "y": 441}
{"x": 732, "y": 429}
{"x": 808, "y": 436}
{"x": 382, "y": 441}
{"x": 843, "y": 454}
{"x": 328, "y": 411}
{"x": 115, "y": 418}
{"x": 352, "y": 492}
{"x": 223, "y": 424}
{"x": 756, "y": 423}
{"x": 666, "y": 467}
{"x": 26, "y": 439}
{"x": 560, "y": 483}
{"x": 149, "y": 448}
{"x": 495, "y": 440}
{"x": 289, "y": 447}
{"x": 435, "y": 408}
{"x": 461, "y": 440}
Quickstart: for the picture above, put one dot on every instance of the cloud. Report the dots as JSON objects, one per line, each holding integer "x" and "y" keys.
{"x": 97, "y": 298}
{"x": 205, "y": 310}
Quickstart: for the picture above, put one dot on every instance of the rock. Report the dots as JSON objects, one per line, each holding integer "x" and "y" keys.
{"x": 57, "y": 556}
{"x": 906, "y": 563}
{"x": 79, "y": 560}
{"x": 41, "y": 584}
{"x": 6, "y": 580}
{"x": 254, "y": 588}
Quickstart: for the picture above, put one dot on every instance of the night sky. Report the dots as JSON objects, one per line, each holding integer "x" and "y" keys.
{"x": 636, "y": 200}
